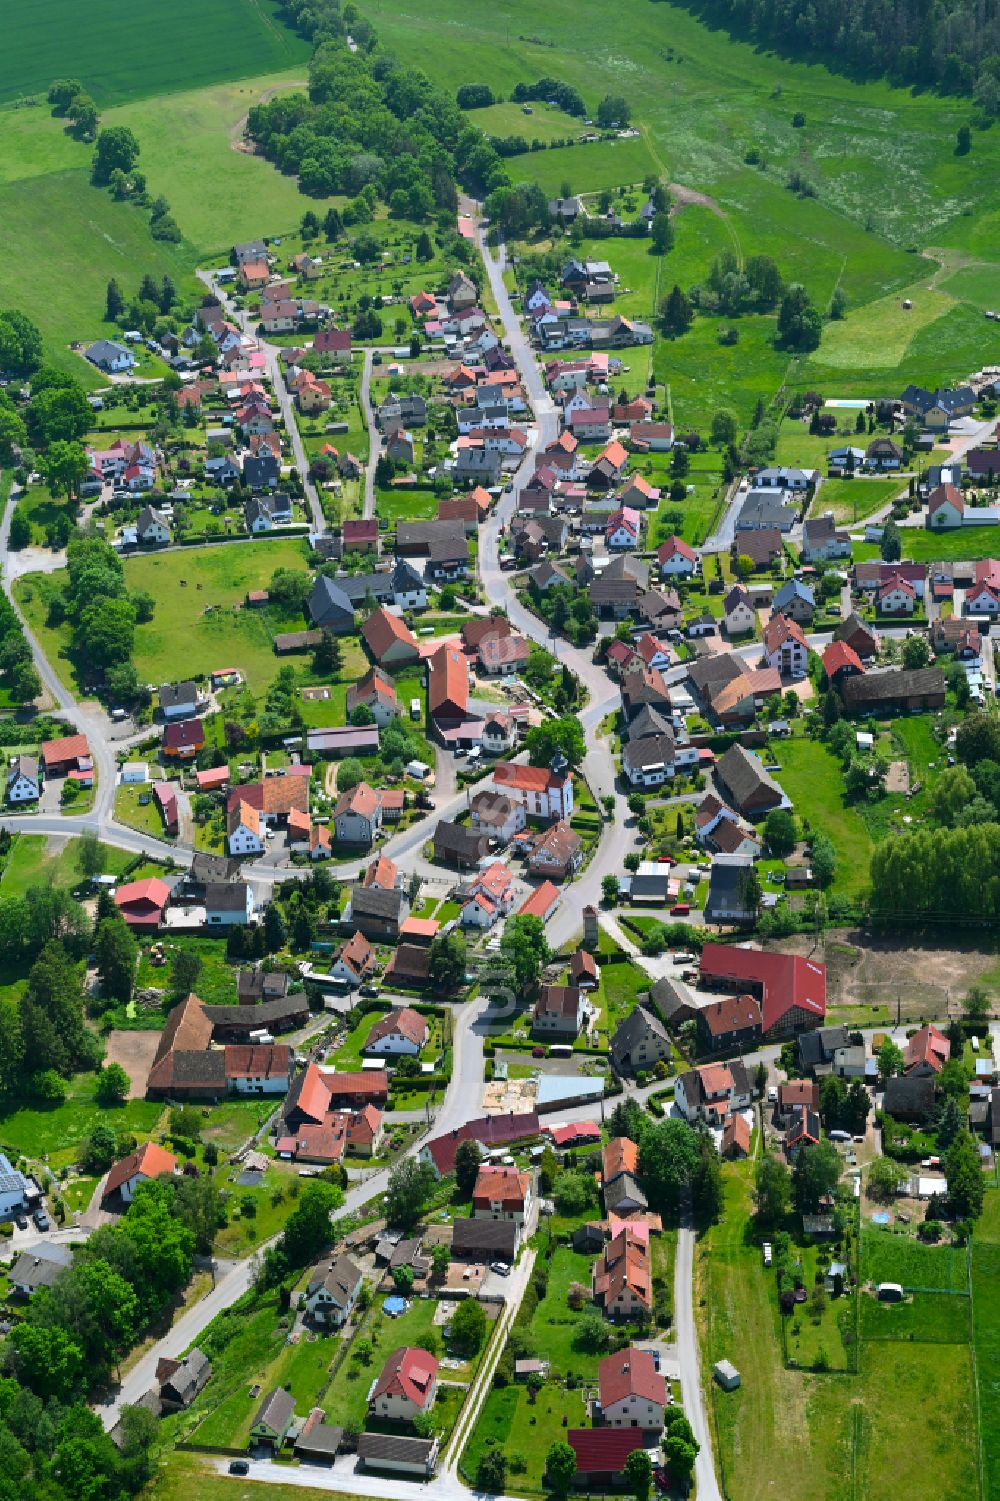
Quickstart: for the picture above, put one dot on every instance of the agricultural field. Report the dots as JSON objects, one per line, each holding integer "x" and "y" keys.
{"x": 126, "y": 52}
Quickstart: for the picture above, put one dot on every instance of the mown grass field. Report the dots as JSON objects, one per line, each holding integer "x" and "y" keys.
{"x": 812, "y": 777}
{"x": 218, "y": 195}
{"x": 586, "y": 167}
{"x": 59, "y": 1132}
{"x": 38, "y": 861}
{"x": 199, "y": 619}
{"x": 126, "y": 51}
{"x": 544, "y": 123}
{"x": 902, "y": 1258}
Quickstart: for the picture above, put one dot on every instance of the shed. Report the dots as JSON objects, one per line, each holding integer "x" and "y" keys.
{"x": 890, "y": 1292}
{"x": 726, "y": 1375}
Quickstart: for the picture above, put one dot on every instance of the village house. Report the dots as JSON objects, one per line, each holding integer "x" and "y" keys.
{"x": 639, "y": 1042}
{"x": 407, "y": 1386}
{"x": 729, "y": 1024}
{"x": 332, "y": 1291}
{"x": 357, "y": 815}
{"x": 401, "y": 1033}
{"x": 545, "y": 792}
{"x": 785, "y": 647}
{"x": 502, "y": 1193}
{"x": 622, "y": 1280}
{"x": 752, "y": 791}
{"x": 738, "y": 612}
{"x": 631, "y": 1391}
{"x": 822, "y": 542}
{"x": 557, "y": 852}
{"x": 712, "y": 1093}
{"x": 559, "y": 1010}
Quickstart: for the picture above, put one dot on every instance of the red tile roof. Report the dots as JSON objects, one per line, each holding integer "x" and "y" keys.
{"x": 603, "y": 1450}
{"x": 630, "y": 1373}
{"x": 838, "y": 656}
{"x": 408, "y": 1373}
{"x": 150, "y": 1160}
{"x": 787, "y": 980}
{"x": 539, "y": 902}
{"x": 61, "y": 752}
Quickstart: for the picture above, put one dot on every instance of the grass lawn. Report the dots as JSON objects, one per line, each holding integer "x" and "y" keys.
{"x": 405, "y": 504}
{"x": 58, "y": 1133}
{"x": 347, "y": 1397}
{"x": 933, "y": 1318}
{"x": 216, "y": 983}
{"x": 586, "y": 167}
{"x": 621, "y": 985}
{"x": 986, "y": 1333}
{"x": 349, "y": 1054}
{"x": 554, "y": 1326}
{"x": 144, "y": 816}
{"x": 888, "y": 1257}
{"x": 181, "y": 1476}
{"x": 812, "y": 777}
{"x": 525, "y": 1431}
{"x": 66, "y": 298}
{"x": 35, "y": 860}
{"x": 255, "y": 1344}
{"x": 218, "y": 196}
{"x": 199, "y": 594}
{"x": 852, "y": 500}
{"x": 967, "y": 542}
{"x": 907, "y": 1421}
{"x": 544, "y": 123}
{"x": 120, "y": 53}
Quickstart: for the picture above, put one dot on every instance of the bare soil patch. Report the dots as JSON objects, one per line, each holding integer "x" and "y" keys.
{"x": 135, "y": 1052}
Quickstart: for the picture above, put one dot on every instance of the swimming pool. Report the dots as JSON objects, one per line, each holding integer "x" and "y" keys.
{"x": 841, "y": 402}
{"x": 881, "y": 1218}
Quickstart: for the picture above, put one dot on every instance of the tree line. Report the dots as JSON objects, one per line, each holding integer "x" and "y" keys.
{"x": 954, "y": 49}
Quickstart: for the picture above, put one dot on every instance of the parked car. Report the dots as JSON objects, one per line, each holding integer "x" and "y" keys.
{"x": 239, "y": 1467}
{"x": 21, "y": 1221}
{"x": 370, "y": 990}
{"x": 500, "y": 1267}
{"x": 680, "y": 910}
{"x": 41, "y": 1219}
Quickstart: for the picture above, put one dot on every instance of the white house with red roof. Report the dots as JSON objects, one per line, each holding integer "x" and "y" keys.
{"x": 896, "y": 596}
{"x": 984, "y": 596}
{"x": 150, "y": 1161}
{"x": 624, "y": 528}
{"x": 945, "y": 508}
{"x": 631, "y": 1391}
{"x": 676, "y": 558}
{"x": 399, "y": 1034}
{"x": 545, "y": 791}
{"x": 489, "y": 896}
{"x": 713, "y": 1092}
{"x": 407, "y": 1386}
{"x": 502, "y": 1193}
{"x": 785, "y": 647}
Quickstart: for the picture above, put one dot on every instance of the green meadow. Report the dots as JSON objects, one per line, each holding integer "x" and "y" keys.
{"x": 145, "y": 47}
